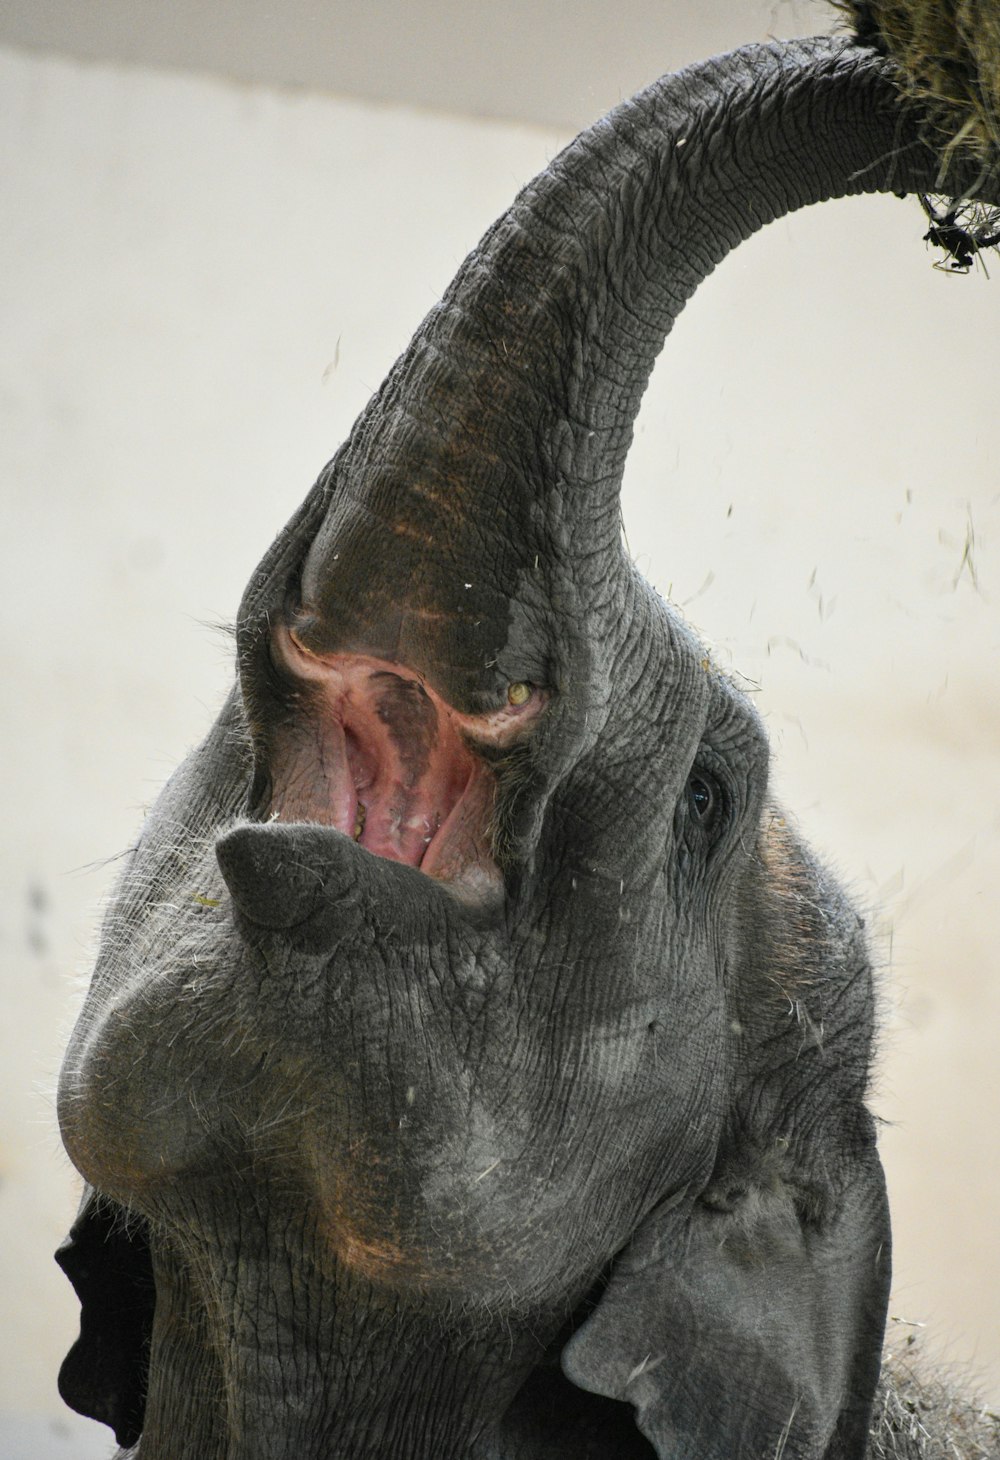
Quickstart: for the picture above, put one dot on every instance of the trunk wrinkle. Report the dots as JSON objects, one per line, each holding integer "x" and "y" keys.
{"x": 514, "y": 405}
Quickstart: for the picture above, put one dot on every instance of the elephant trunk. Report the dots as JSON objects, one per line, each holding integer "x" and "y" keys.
{"x": 494, "y": 451}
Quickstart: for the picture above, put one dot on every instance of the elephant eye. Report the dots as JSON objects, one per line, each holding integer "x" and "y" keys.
{"x": 704, "y": 798}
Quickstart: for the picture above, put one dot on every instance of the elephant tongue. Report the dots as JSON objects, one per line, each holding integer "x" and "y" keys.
{"x": 376, "y": 753}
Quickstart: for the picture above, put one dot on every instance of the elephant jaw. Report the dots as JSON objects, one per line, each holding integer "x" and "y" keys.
{"x": 372, "y": 750}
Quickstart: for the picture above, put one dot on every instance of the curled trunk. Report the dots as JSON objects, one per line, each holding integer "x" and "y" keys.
{"x": 515, "y": 401}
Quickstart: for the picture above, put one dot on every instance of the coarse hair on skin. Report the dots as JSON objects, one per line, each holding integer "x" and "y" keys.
{"x": 513, "y": 773}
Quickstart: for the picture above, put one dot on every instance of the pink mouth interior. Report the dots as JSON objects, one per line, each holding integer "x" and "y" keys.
{"x": 374, "y": 752}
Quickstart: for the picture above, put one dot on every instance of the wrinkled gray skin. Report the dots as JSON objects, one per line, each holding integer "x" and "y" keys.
{"x": 555, "y": 1146}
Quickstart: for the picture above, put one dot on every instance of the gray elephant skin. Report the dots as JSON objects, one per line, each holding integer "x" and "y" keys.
{"x": 475, "y": 1062}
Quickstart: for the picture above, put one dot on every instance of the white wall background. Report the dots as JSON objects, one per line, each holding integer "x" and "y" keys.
{"x": 200, "y": 284}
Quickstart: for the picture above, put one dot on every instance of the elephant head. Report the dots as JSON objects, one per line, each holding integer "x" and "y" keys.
{"x": 475, "y": 1063}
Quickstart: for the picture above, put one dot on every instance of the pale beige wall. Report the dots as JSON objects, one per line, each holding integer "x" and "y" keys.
{"x": 200, "y": 284}
{"x": 556, "y": 63}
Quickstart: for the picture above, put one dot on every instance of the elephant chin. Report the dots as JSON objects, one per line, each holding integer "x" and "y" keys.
{"x": 372, "y": 749}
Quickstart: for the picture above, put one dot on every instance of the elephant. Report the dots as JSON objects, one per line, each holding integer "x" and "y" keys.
{"x": 476, "y": 1059}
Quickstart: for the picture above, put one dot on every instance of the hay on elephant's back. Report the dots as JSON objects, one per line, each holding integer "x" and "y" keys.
{"x": 921, "y": 1416}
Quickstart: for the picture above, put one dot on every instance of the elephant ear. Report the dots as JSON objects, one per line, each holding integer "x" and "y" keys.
{"x": 746, "y": 1327}
{"x": 747, "y": 1320}
{"x": 107, "y": 1259}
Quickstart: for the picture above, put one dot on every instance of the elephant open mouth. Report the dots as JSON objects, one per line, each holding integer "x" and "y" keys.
{"x": 376, "y": 752}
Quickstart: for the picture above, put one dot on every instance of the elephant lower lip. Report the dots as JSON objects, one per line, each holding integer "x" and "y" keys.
{"x": 372, "y": 750}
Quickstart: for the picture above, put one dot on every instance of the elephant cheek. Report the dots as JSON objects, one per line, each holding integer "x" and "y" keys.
{"x": 135, "y": 1109}
{"x": 127, "y": 1140}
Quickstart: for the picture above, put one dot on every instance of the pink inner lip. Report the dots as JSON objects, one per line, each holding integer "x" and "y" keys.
{"x": 374, "y": 751}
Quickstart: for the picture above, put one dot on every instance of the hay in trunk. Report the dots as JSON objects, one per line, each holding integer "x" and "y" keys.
{"x": 948, "y": 54}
